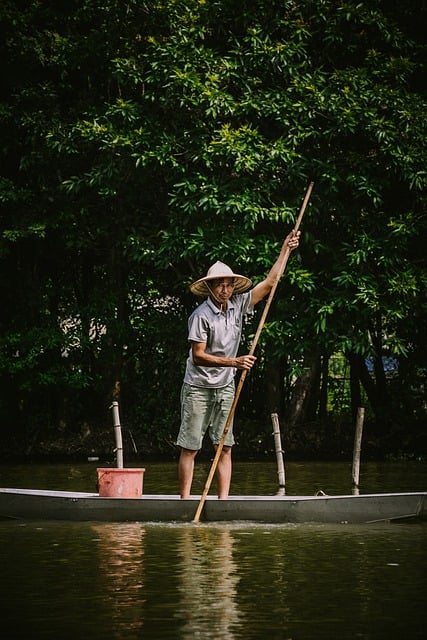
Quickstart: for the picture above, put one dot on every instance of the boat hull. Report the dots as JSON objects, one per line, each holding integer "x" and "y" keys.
{"x": 32, "y": 504}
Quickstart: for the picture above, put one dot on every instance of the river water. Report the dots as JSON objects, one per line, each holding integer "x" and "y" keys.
{"x": 227, "y": 581}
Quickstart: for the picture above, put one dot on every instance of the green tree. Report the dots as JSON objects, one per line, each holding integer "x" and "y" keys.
{"x": 143, "y": 141}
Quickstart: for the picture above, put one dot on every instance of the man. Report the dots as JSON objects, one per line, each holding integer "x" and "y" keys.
{"x": 214, "y": 332}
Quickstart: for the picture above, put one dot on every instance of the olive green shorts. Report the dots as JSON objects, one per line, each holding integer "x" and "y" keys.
{"x": 205, "y": 410}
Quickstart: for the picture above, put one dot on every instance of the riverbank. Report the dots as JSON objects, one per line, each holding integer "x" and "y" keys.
{"x": 252, "y": 443}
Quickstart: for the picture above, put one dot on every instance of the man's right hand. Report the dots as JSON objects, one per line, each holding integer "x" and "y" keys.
{"x": 245, "y": 362}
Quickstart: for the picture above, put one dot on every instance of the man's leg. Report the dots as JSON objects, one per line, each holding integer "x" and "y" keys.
{"x": 185, "y": 471}
{"x": 223, "y": 472}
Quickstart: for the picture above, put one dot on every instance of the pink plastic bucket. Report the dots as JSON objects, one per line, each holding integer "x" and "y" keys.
{"x": 120, "y": 483}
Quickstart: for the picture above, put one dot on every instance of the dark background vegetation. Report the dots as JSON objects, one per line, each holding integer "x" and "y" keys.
{"x": 142, "y": 141}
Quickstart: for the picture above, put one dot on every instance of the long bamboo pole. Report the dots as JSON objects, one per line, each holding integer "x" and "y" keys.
{"x": 251, "y": 352}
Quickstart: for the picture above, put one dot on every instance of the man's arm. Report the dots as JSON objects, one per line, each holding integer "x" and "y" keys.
{"x": 203, "y": 359}
{"x": 262, "y": 289}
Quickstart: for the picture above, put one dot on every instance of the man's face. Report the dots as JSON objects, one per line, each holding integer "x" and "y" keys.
{"x": 223, "y": 288}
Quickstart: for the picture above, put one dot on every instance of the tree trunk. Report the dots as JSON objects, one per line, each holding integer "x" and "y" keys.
{"x": 355, "y": 377}
{"x": 274, "y": 372}
{"x": 303, "y": 393}
{"x": 323, "y": 395}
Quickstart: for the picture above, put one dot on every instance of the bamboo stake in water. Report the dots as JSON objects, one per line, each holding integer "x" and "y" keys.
{"x": 279, "y": 454}
{"x": 251, "y": 352}
{"x": 356, "y": 449}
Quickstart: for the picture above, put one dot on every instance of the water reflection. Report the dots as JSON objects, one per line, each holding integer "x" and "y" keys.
{"x": 202, "y": 578}
{"x": 233, "y": 582}
{"x": 120, "y": 549}
{"x": 208, "y": 583}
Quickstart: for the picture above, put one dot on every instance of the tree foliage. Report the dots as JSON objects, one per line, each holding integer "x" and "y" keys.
{"x": 144, "y": 140}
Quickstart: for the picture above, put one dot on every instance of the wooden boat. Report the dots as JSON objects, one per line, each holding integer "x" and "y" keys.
{"x": 34, "y": 504}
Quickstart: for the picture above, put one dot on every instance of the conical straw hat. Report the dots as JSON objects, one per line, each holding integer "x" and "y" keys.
{"x": 220, "y": 270}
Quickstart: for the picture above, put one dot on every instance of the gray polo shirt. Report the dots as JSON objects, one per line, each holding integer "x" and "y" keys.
{"x": 222, "y": 332}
